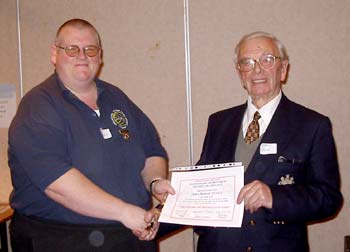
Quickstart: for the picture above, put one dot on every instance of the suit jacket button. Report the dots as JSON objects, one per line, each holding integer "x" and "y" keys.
{"x": 249, "y": 249}
{"x": 252, "y": 222}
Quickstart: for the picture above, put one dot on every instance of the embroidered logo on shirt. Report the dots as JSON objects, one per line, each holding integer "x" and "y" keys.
{"x": 287, "y": 180}
{"x": 119, "y": 119}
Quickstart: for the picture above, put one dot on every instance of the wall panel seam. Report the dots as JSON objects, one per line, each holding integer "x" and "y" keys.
{"x": 188, "y": 92}
{"x": 19, "y": 49}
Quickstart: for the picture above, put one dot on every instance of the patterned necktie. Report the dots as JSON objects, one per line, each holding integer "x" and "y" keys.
{"x": 253, "y": 129}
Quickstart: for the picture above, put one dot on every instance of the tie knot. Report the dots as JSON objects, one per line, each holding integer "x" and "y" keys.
{"x": 256, "y": 116}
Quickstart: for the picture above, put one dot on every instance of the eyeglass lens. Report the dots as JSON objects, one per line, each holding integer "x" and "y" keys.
{"x": 265, "y": 61}
{"x": 73, "y": 50}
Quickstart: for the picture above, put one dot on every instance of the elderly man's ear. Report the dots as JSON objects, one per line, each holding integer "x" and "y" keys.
{"x": 284, "y": 70}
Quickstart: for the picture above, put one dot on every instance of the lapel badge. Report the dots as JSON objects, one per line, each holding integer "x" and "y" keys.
{"x": 119, "y": 119}
{"x": 125, "y": 134}
{"x": 286, "y": 180}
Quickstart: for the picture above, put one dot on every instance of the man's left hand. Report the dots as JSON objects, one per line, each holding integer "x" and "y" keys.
{"x": 255, "y": 195}
{"x": 161, "y": 189}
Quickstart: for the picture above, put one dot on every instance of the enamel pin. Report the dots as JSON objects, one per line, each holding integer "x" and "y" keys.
{"x": 125, "y": 134}
{"x": 286, "y": 180}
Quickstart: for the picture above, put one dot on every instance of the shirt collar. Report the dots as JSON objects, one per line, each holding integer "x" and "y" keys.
{"x": 66, "y": 91}
{"x": 265, "y": 111}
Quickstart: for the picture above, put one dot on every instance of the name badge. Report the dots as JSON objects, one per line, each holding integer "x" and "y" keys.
{"x": 106, "y": 133}
{"x": 268, "y": 148}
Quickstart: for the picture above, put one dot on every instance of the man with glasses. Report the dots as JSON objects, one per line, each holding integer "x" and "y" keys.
{"x": 84, "y": 158}
{"x": 288, "y": 151}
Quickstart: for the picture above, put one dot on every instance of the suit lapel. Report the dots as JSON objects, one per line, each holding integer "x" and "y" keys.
{"x": 281, "y": 127}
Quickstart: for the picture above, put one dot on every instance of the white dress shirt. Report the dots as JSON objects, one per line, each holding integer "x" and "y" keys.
{"x": 265, "y": 111}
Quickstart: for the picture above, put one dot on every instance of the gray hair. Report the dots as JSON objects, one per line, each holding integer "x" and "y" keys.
{"x": 258, "y": 34}
{"x": 79, "y": 24}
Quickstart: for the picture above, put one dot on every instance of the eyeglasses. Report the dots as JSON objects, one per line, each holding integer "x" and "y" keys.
{"x": 266, "y": 61}
{"x": 74, "y": 50}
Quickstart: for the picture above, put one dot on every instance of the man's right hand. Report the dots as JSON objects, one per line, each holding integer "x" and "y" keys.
{"x": 151, "y": 218}
{"x": 133, "y": 217}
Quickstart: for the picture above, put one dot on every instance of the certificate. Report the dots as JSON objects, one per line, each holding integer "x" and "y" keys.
{"x": 205, "y": 196}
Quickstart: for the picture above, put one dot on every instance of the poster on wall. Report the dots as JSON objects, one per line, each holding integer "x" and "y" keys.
{"x": 7, "y": 104}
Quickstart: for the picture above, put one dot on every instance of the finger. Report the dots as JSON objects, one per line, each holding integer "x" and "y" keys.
{"x": 243, "y": 193}
{"x": 151, "y": 231}
{"x": 151, "y": 236}
{"x": 241, "y": 196}
{"x": 259, "y": 197}
{"x": 155, "y": 226}
{"x": 170, "y": 189}
{"x": 146, "y": 236}
{"x": 136, "y": 233}
{"x": 163, "y": 187}
{"x": 140, "y": 234}
{"x": 253, "y": 204}
{"x": 149, "y": 216}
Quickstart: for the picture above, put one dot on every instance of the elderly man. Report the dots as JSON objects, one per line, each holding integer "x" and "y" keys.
{"x": 84, "y": 158}
{"x": 291, "y": 174}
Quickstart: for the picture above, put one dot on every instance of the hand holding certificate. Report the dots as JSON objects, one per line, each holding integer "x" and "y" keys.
{"x": 205, "y": 196}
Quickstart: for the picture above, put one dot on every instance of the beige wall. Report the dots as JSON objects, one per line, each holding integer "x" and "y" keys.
{"x": 144, "y": 55}
{"x": 9, "y": 74}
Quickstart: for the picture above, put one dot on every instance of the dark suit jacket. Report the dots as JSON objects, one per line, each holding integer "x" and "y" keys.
{"x": 305, "y": 143}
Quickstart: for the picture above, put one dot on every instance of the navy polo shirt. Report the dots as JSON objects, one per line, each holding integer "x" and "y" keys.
{"x": 54, "y": 131}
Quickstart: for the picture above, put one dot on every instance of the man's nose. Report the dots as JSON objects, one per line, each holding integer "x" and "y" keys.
{"x": 257, "y": 67}
{"x": 81, "y": 54}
